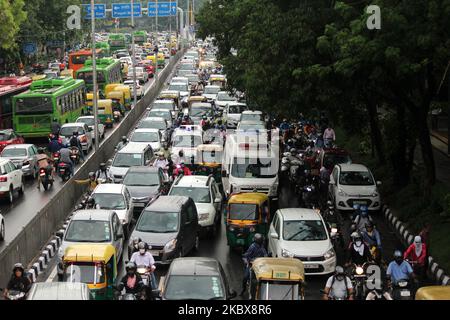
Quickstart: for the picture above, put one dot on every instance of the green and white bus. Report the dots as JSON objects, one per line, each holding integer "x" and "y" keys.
{"x": 60, "y": 98}
{"x": 109, "y": 70}
{"x": 117, "y": 42}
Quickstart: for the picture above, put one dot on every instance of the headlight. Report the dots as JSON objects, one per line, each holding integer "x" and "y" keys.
{"x": 359, "y": 270}
{"x": 170, "y": 246}
{"x": 341, "y": 193}
{"x": 375, "y": 194}
{"x": 287, "y": 254}
{"x": 329, "y": 254}
{"x": 334, "y": 230}
{"x": 231, "y": 228}
{"x": 203, "y": 216}
{"x": 141, "y": 270}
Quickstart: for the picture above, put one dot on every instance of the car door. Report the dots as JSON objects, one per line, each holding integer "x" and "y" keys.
{"x": 272, "y": 229}
{"x": 16, "y": 174}
{"x": 33, "y": 155}
{"x": 215, "y": 192}
{"x": 191, "y": 224}
{"x": 332, "y": 187}
{"x": 117, "y": 233}
{"x": 88, "y": 135}
{"x": 130, "y": 205}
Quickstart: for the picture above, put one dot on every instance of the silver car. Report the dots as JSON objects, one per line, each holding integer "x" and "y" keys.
{"x": 25, "y": 155}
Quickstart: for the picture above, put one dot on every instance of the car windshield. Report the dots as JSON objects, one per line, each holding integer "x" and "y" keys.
{"x": 5, "y": 136}
{"x": 88, "y": 121}
{"x": 211, "y": 90}
{"x": 158, "y": 222}
{"x": 277, "y": 290}
{"x": 243, "y": 211}
{"x": 225, "y": 97}
{"x": 178, "y": 87}
{"x": 141, "y": 179}
{"x": 199, "y": 195}
{"x": 187, "y": 141}
{"x": 152, "y": 124}
{"x": 304, "y": 230}
{"x": 160, "y": 114}
{"x": 68, "y": 131}
{"x": 88, "y": 231}
{"x": 192, "y": 77}
{"x": 194, "y": 287}
{"x": 211, "y": 156}
{"x": 165, "y": 106}
{"x": 334, "y": 159}
{"x": 251, "y": 117}
{"x": 200, "y": 111}
{"x": 84, "y": 273}
{"x": 356, "y": 178}
{"x": 251, "y": 126}
{"x": 126, "y": 160}
{"x": 236, "y": 109}
{"x": 253, "y": 168}
{"x": 14, "y": 152}
{"x": 145, "y": 137}
{"x": 187, "y": 67}
{"x": 110, "y": 201}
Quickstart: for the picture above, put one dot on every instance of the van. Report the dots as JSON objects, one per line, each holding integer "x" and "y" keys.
{"x": 132, "y": 155}
{"x": 170, "y": 226}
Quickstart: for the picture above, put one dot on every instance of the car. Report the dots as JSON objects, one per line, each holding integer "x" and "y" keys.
{"x": 353, "y": 184}
{"x": 55, "y": 291}
{"x": 192, "y": 78}
{"x": 187, "y": 139}
{"x": 132, "y": 155}
{"x": 11, "y": 179}
{"x": 141, "y": 75}
{"x": 84, "y": 134}
{"x": 200, "y": 109}
{"x": 156, "y": 123}
{"x": 302, "y": 234}
{"x": 150, "y": 137}
{"x": 207, "y": 197}
{"x": 90, "y": 121}
{"x": 115, "y": 197}
{"x": 139, "y": 88}
{"x": 252, "y": 116}
{"x": 185, "y": 73}
{"x": 210, "y": 92}
{"x": 170, "y": 226}
{"x": 232, "y": 113}
{"x": 25, "y": 155}
{"x": 251, "y": 126}
{"x": 180, "y": 80}
{"x": 144, "y": 185}
{"x": 166, "y": 53}
{"x": 148, "y": 67}
{"x": 186, "y": 67}
{"x": 161, "y": 113}
{"x": 9, "y": 136}
{"x": 2, "y": 228}
{"x": 127, "y": 60}
{"x": 181, "y": 87}
{"x": 166, "y": 105}
{"x": 223, "y": 99}
{"x": 196, "y": 278}
{"x": 90, "y": 227}
{"x": 332, "y": 157}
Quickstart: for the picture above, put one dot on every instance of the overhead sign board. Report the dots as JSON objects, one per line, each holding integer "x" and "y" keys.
{"x": 99, "y": 9}
{"x": 165, "y": 9}
{"x": 123, "y": 10}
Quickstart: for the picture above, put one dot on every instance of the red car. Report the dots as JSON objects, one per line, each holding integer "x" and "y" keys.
{"x": 8, "y": 136}
{"x": 148, "y": 66}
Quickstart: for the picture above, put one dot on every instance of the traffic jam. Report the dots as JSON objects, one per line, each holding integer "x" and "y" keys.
{"x": 200, "y": 166}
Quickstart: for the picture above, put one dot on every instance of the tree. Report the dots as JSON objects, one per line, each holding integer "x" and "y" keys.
{"x": 11, "y": 17}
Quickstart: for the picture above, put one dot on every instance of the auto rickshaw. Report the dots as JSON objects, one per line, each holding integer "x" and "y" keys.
{"x": 209, "y": 161}
{"x": 127, "y": 95}
{"x": 161, "y": 59}
{"x": 246, "y": 214}
{"x": 90, "y": 101}
{"x": 152, "y": 58}
{"x": 118, "y": 98}
{"x": 193, "y": 99}
{"x": 124, "y": 71}
{"x": 93, "y": 264}
{"x": 171, "y": 95}
{"x": 111, "y": 87}
{"x": 207, "y": 64}
{"x": 38, "y": 77}
{"x": 218, "y": 80}
{"x": 433, "y": 293}
{"x": 67, "y": 73}
{"x": 277, "y": 279}
{"x": 105, "y": 112}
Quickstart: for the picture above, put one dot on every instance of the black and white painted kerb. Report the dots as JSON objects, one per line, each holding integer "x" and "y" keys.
{"x": 407, "y": 238}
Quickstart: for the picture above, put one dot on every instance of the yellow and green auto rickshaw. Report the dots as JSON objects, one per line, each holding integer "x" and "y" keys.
{"x": 194, "y": 99}
{"x": 161, "y": 60}
{"x": 90, "y": 101}
{"x": 247, "y": 213}
{"x": 127, "y": 95}
{"x": 218, "y": 80}
{"x": 277, "y": 279}
{"x": 433, "y": 293}
{"x": 152, "y": 58}
{"x": 124, "y": 71}
{"x": 209, "y": 161}
{"x": 105, "y": 112}
{"x": 118, "y": 98}
{"x": 111, "y": 87}
{"x": 171, "y": 95}
{"x": 93, "y": 264}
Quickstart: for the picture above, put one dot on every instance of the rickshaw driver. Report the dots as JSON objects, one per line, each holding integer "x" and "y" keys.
{"x": 256, "y": 250}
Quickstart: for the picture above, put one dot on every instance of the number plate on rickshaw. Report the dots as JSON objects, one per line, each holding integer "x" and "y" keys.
{"x": 154, "y": 252}
{"x": 405, "y": 293}
{"x": 311, "y": 266}
{"x": 360, "y": 202}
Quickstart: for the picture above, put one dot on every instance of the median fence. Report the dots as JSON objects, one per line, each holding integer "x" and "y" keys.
{"x": 37, "y": 242}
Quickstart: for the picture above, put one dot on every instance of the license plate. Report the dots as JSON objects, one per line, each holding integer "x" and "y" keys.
{"x": 405, "y": 293}
{"x": 311, "y": 266}
{"x": 145, "y": 281}
{"x": 62, "y": 170}
{"x": 42, "y": 174}
{"x": 154, "y": 253}
{"x": 359, "y": 202}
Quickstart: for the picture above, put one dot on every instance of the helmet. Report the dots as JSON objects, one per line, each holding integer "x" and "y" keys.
{"x": 90, "y": 202}
{"x": 289, "y": 142}
{"x": 355, "y": 236}
{"x": 369, "y": 225}
{"x": 398, "y": 256}
{"x": 186, "y": 117}
{"x": 339, "y": 270}
{"x": 102, "y": 166}
{"x": 293, "y": 151}
{"x": 364, "y": 211}
{"x": 18, "y": 266}
{"x": 204, "y": 117}
{"x": 130, "y": 266}
{"x": 41, "y": 150}
{"x": 124, "y": 139}
{"x": 142, "y": 245}
{"x": 181, "y": 153}
{"x": 91, "y": 175}
{"x": 258, "y": 238}
{"x": 75, "y": 133}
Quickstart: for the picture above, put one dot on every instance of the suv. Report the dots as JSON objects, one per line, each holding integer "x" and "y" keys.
{"x": 11, "y": 179}
{"x": 25, "y": 155}
{"x": 132, "y": 155}
{"x": 354, "y": 184}
{"x": 207, "y": 197}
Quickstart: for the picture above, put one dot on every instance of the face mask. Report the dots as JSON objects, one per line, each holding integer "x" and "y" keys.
{"x": 130, "y": 273}
{"x": 399, "y": 261}
{"x": 340, "y": 277}
{"x": 142, "y": 251}
{"x": 358, "y": 243}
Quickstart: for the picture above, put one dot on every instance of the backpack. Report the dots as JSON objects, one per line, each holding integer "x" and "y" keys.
{"x": 345, "y": 282}
{"x": 74, "y": 141}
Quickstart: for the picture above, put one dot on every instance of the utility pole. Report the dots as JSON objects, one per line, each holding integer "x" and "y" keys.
{"x": 156, "y": 45}
{"x": 133, "y": 52}
{"x": 94, "y": 77}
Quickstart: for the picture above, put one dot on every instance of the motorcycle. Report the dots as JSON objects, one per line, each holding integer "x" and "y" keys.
{"x": 145, "y": 274}
{"x": 336, "y": 236}
{"x": 378, "y": 294}
{"x": 310, "y": 197}
{"x": 116, "y": 116}
{"x": 56, "y": 157}
{"x": 46, "y": 178}
{"x": 64, "y": 171}
{"x": 15, "y": 295}
{"x": 402, "y": 290}
{"x": 75, "y": 155}
{"x": 359, "y": 279}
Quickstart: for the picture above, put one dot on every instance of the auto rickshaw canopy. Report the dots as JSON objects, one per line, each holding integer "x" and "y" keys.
{"x": 89, "y": 253}
{"x": 433, "y": 293}
{"x": 249, "y": 197}
{"x": 278, "y": 269}
{"x": 111, "y": 87}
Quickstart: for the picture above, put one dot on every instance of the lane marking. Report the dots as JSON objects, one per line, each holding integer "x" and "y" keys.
{"x": 52, "y": 275}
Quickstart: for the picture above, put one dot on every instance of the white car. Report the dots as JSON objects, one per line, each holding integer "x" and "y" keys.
{"x": 223, "y": 99}
{"x": 90, "y": 121}
{"x": 141, "y": 75}
{"x": 188, "y": 140}
{"x": 150, "y": 137}
{"x": 115, "y": 197}
{"x": 207, "y": 197}
{"x": 25, "y": 155}
{"x": 210, "y": 92}
{"x": 182, "y": 88}
{"x": 232, "y": 113}
{"x": 252, "y": 116}
{"x": 302, "y": 234}
{"x": 84, "y": 134}
{"x": 126, "y": 60}
{"x": 156, "y": 123}
{"x": 139, "y": 88}
{"x": 161, "y": 113}
{"x": 132, "y": 155}
{"x": 354, "y": 184}
{"x": 11, "y": 179}
{"x": 2, "y": 228}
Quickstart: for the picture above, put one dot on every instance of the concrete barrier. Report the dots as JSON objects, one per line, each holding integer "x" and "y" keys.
{"x": 35, "y": 236}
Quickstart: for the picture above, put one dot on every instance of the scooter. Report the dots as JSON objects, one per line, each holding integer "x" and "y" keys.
{"x": 75, "y": 155}
{"x": 402, "y": 290}
{"x": 46, "y": 177}
{"x": 15, "y": 295}
{"x": 64, "y": 171}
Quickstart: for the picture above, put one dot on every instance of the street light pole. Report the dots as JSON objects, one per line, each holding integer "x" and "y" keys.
{"x": 94, "y": 77}
{"x": 133, "y": 52}
{"x": 156, "y": 45}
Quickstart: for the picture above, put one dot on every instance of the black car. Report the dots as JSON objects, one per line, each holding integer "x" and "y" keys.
{"x": 196, "y": 278}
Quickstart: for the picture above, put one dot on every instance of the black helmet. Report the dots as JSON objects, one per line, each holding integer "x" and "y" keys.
{"x": 355, "y": 236}
{"x": 130, "y": 266}
{"x": 102, "y": 166}
{"x": 75, "y": 133}
{"x": 124, "y": 138}
{"x": 91, "y": 174}
{"x": 369, "y": 224}
{"x": 41, "y": 150}
{"x": 258, "y": 238}
{"x": 181, "y": 153}
{"x": 18, "y": 266}
{"x": 90, "y": 202}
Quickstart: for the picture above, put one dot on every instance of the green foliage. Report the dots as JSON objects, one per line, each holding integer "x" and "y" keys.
{"x": 11, "y": 17}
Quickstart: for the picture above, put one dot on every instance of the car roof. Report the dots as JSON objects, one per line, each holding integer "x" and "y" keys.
{"x": 73, "y": 124}
{"x": 353, "y": 167}
{"x": 193, "y": 181}
{"x": 178, "y": 83}
{"x": 59, "y": 291}
{"x": 143, "y": 169}
{"x": 154, "y": 119}
{"x": 80, "y": 117}
{"x": 299, "y": 214}
{"x": 195, "y": 266}
{"x": 167, "y": 203}
{"x": 18, "y": 146}
{"x": 201, "y": 104}
{"x": 212, "y": 86}
{"x": 109, "y": 188}
{"x": 159, "y": 110}
{"x": 164, "y": 101}
{"x": 252, "y": 112}
{"x": 92, "y": 214}
{"x": 133, "y": 148}
{"x": 146, "y": 130}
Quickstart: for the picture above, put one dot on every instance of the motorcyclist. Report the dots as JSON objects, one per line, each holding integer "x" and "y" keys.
{"x": 256, "y": 250}
{"x": 91, "y": 181}
{"x": 416, "y": 254}
{"x": 358, "y": 251}
{"x": 165, "y": 150}
{"x": 161, "y": 162}
{"x": 122, "y": 143}
{"x": 359, "y": 224}
{"x": 144, "y": 258}
{"x": 90, "y": 203}
{"x": 44, "y": 162}
{"x": 338, "y": 286}
{"x": 54, "y": 145}
{"x": 179, "y": 159}
{"x": 55, "y": 127}
{"x": 329, "y": 135}
{"x": 204, "y": 123}
{"x": 103, "y": 174}
{"x": 132, "y": 281}
{"x": 284, "y": 126}
{"x": 75, "y": 143}
{"x": 65, "y": 158}
{"x": 371, "y": 236}
{"x": 185, "y": 170}
{"x": 18, "y": 282}
{"x": 398, "y": 269}
{"x": 319, "y": 141}
{"x": 187, "y": 120}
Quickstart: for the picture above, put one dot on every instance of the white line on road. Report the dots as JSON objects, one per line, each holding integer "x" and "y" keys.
{"x": 52, "y": 275}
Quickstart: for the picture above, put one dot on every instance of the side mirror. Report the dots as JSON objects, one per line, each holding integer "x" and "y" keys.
{"x": 378, "y": 183}
{"x": 19, "y": 166}
{"x": 224, "y": 174}
{"x": 274, "y": 235}
{"x": 218, "y": 199}
{"x": 232, "y": 294}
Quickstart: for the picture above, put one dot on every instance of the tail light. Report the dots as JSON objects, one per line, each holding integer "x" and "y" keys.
{"x": 42, "y": 172}
{"x": 3, "y": 179}
{"x": 83, "y": 139}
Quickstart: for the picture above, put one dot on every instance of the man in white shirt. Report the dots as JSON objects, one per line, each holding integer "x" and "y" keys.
{"x": 145, "y": 258}
{"x": 338, "y": 286}
{"x": 161, "y": 162}
{"x": 329, "y": 135}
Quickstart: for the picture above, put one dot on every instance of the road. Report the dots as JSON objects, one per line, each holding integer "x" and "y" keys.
{"x": 24, "y": 208}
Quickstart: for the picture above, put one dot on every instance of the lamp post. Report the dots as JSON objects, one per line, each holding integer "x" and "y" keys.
{"x": 94, "y": 77}
{"x": 133, "y": 52}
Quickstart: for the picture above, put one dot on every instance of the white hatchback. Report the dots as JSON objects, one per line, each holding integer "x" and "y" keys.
{"x": 11, "y": 179}
{"x": 301, "y": 233}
